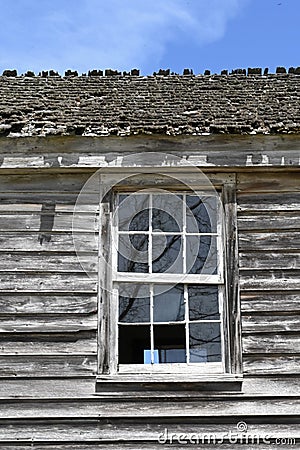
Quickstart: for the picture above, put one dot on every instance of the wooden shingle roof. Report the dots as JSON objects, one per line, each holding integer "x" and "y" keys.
{"x": 165, "y": 104}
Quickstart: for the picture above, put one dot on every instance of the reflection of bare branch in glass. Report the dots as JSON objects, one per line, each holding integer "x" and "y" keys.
{"x": 204, "y": 211}
{"x": 140, "y": 222}
{"x": 169, "y": 255}
{"x": 201, "y": 254}
{"x": 129, "y": 209}
{"x": 135, "y": 310}
{"x": 199, "y": 341}
{"x": 208, "y": 316}
{"x": 139, "y": 244}
{"x": 203, "y": 302}
{"x": 132, "y": 252}
{"x": 167, "y": 212}
{"x": 206, "y": 337}
{"x": 136, "y": 301}
{"x": 169, "y": 305}
{"x": 123, "y": 314}
{"x": 163, "y": 221}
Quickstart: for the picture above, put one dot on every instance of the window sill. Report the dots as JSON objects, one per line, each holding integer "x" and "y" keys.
{"x": 169, "y": 383}
{"x": 169, "y": 369}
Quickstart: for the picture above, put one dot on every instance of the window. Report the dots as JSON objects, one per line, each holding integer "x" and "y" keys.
{"x": 168, "y": 280}
{"x": 169, "y": 301}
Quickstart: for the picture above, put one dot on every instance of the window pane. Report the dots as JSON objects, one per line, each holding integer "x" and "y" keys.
{"x": 201, "y": 214}
{"x": 133, "y": 253}
{"x": 167, "y": 212}
{"x": 201, "y": 255}
{"x": 169, "y": 340}
{"x": 167, "y": 254}
{"x": 140, "y": 222}
{"x": 169, "y": 305}
{"x": 133, "y": 212}
{"x": 205, "y": 342}
{"x": 135, "y": 308}
{"x": 203, "y": 302}
{"x": 133, "y": 340}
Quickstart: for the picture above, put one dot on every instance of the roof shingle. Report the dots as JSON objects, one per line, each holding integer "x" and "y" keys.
{"x": 127, "y": 104}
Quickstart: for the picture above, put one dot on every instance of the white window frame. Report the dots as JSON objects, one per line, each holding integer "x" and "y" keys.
{"x": 168, "y": 278}
{"x": 108, "y": 370}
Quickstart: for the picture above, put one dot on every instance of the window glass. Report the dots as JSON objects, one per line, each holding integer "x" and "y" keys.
{"x": 184, "y": 323}
{"x": 133, "y": 253}
{"x": 133, "y": 310}
{"x": 133, "y": 340}
{"x": 169, "y": 305}
{"x": 157, "y": 234}
{"x": 201, "y": 254}
{"x": 205, "y": 342}
{"x": 169, "y": 341}
{"x": 167, "y": 254}
{"x": 167, "y": 212}
{"x": 201, "y": 214}
{"x": 140, "y": 222}
{"x": 133, "y": 212}
{"x": 203, "y": 302}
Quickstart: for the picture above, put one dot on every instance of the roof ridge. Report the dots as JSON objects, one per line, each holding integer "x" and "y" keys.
{"x": 251, "y": 71}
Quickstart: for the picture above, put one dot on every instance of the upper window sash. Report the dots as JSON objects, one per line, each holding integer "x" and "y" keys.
{"x": 142, "y": 205}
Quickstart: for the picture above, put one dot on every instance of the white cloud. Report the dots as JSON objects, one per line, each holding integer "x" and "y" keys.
{"x": 119, "y": 34}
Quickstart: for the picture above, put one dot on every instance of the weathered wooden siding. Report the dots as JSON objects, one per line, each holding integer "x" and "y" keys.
{"x": 48, "y": 312}
{"x": 48, "y": 304}
{"x": 269, "y": 230}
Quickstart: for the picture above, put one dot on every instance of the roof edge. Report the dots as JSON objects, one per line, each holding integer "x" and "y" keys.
{"x": 251, "y": 71}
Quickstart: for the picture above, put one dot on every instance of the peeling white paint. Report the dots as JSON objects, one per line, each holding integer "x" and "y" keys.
{"x": 98, "y": 161}
{"x": 117, "y": 162}
{"x": 199, "y": 160}
{"x": 249, "y": 161}
{"x": 23, "y": 161}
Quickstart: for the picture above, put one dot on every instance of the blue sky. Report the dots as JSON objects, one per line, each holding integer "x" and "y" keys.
{"x": 148, "y": 34}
